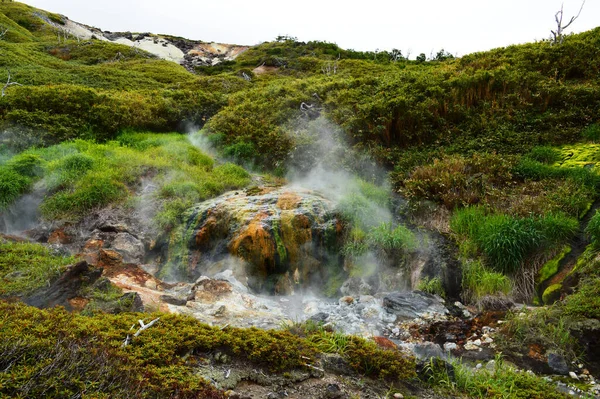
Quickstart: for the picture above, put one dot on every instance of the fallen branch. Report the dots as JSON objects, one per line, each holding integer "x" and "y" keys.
{"x": 8, "y": 84}
{"x": 143, "y": 326}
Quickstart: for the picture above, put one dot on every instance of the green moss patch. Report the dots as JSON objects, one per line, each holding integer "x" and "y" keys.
{"x": 25, "y": 267}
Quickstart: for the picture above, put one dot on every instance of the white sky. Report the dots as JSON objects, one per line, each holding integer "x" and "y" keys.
{"x": 421, "y": 26}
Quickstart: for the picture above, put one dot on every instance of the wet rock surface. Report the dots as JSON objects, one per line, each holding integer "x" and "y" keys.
{"x": 279, "y": 239}
{"x": 409, "y": 305}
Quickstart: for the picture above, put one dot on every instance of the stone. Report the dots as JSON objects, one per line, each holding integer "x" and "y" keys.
{"x": 398, "y": 395}
{"x": 558, "y": 364}
{"x": 320, "y": 317}
{"x": 450, "y": 346}
{"x": 414, "y": 304}
{"x": 171, "y": 300}
{"x": 346, "y": 300}
{"x": 129, "y": 247}
{"x": 333, "y": 391}
{"x": 573, "y": 375}
{"x": 65, "y": 287}
{"x": 336, "y": 364}
{"x": 470, "y": 346}
{"x": 427, "y": 350}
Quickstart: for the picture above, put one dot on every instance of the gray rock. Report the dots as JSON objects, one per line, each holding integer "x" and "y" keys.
{"x": 428, "y": 350}
{"x": 558, "y": 364}
{"x": 227, "y": 275}
{"x": 334, "y": 363}
{"x": 129, "y": 247}
{"x": 355, "y": 286}
{"x": 410, "y": 305}
{"x": 171, "y": 300}
{"x": 320, "y": 317}
{"x": 450, "y": 346}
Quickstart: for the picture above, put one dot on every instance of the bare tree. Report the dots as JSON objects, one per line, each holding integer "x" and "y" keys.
{"x": 8, "y": 84}
{"x": 558, "y": 35}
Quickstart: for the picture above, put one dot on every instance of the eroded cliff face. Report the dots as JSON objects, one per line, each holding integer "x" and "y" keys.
{"x": 278, "y": 239}
{"x": 189, "y": 53}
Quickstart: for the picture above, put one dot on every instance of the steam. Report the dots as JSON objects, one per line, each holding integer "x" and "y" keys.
{"x": 23, "y": 214}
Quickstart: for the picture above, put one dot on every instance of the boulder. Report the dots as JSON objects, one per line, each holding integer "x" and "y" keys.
{"x": 558, "y": 364}
{"x": 413, "y": 304}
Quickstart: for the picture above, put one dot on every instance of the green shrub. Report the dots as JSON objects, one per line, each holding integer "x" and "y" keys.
{"x": 12, "y": 185}
{"x": 27, "y": 164}
{"x": 506, "y": 241}
{"x": 585, "y": 302}
{"x": 432, "y": 286}
{"x": 388, "y": 239}
{"x": 591, "y": 132}
{"x": 92, "y": 191}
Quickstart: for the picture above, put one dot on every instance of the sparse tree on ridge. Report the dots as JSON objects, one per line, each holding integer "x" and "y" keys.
{"x": 558, "y": 35}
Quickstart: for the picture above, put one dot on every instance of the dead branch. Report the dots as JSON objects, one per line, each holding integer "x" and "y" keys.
{"x": 143, "y": 326}
{"x": 558, "y": 34}
{"x": 3, "y": 31}
{"x": 8, "y": 84}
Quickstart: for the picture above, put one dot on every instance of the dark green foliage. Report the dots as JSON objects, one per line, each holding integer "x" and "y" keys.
{"x": 592, "y": 132}
{"x": 593, "y": 229}
{"x": 544, "y": 154}
{"x": 506, "y": 241}
{"x": 459, "y": 181}
{"x": 12, "y": 185}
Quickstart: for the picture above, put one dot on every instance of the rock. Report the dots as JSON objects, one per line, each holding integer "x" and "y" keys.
{"x": 427, "y": 350}
{"x": 573, "y": 375}
{"x": 227, "y": 275}
{"x": 320, "y": 317}
{"x": 66, "y": 287}
{"x": 470, "y": 346}
{"x": 450, "y": 346}
{"x": 333, "y": 391}
{"x": 346, "y": 300}
{"x": 558, "y": 364}
{"x": 336, "y": 364}
{"x": 398, "y": 395}
{"x": 129, "y": 247}
{"x": 410, "y": 305}
{"x": 171, "y": 300}
{"x": 272, "y": 233}
{"x": 491, "y": 365}
{"x": 356, "y": 286}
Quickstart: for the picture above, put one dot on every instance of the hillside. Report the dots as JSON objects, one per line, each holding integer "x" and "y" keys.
{"x": 304, "y": 189}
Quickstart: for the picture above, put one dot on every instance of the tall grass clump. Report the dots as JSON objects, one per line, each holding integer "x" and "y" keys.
{"x": 506, "y": 241}
{"x": 478, "y": 282}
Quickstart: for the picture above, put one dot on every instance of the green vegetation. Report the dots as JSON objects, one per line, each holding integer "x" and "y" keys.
{"x": 25, "y": 267}
{"x": 83, "y": 175}
{"x": 362, "y": 354}
{"x": 86, "y": 355}
{"x": 550, "y": 268}
{"x": 506, "y": 241}
{"x": 478, "y": 282}
{"x": 432, "y": 286}
{"x": 500, "y": 381}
